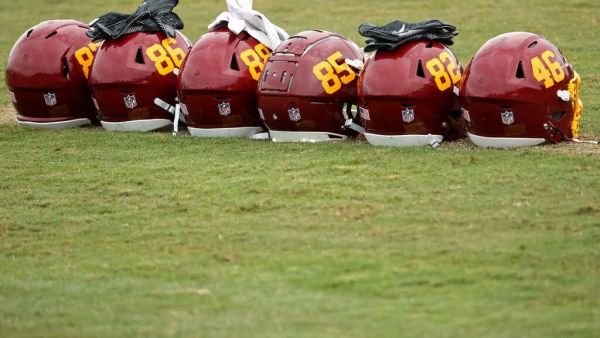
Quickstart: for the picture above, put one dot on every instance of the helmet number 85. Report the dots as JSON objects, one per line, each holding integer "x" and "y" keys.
{"x": 541, "y": 73}
{"x": 330, "y": 80}
{"x": 164, "y": 57}
{"x": 444, "y": 77}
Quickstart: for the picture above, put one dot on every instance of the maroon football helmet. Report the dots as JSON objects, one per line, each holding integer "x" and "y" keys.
{"x": 46, "y": 75}
{"x": 408, "y": 96}
{"x": 307, "y": 89}
{"x": 129, "y": 73}
{"x": 217, "y": 85}
{"x": 519, "y": 90}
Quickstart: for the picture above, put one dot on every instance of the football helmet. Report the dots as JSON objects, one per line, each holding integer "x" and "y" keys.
{"x": 409, "y": 96}
{"x": 217, "y": 85}
{"x": 518, "y": 91}
{"x": 307, "y": 89}
{"x": 46, "y": 75}
{"x": 129, "y": 73}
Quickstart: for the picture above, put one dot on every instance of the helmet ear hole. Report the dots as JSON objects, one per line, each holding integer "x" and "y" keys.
{"x": 520, "y": 73}
{"x": 139, "y": 57}
{"x": 65, "y": 68}
{"x": 234, "y": 64}
{"x": 558, "y": 115}
{"x": 420, "y": 71}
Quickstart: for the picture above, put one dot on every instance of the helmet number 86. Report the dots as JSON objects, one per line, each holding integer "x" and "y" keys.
{"x": 444, "y": 77}
{"x": 164, "y": 57}
{"x": 553, "y": 70}
{"x": 330, "y": 80}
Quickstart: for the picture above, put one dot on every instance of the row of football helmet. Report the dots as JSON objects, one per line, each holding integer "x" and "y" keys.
{"x": 517, "y": 90}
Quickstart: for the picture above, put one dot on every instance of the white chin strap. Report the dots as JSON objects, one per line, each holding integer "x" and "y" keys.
{"x": 174, "y": 110}
{"x": 589, "y": 142}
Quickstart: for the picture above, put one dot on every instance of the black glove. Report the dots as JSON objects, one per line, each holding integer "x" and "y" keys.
{"x": 151, "y": 16}
{"x": 397, "y": 33}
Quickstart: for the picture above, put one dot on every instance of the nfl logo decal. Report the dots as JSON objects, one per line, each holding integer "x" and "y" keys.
{"x": 466, "y": 114}
{"x": 130, "y": 101}
{"x": 50, "y": 99}
{"x": 408, "y": 115}
{"x": 294, "y": 114}
{"x": 508, "y": 118}
{"x": 224, "y": 108}
{"x": 364, "y": 113}
{"x": 184, "y": 109}
{"x": 12, "y": 96}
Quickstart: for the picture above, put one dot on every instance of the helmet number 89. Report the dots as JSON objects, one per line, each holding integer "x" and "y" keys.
{"x": 256, "y": 59}
{"x": 445, "y": 77}
{"x": 85, "y": 56}
{"x": 549, "y": 75}
{"x": 330, "y": 80}
{"x": 164, "y": 57}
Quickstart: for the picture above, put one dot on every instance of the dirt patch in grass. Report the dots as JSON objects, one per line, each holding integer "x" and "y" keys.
{"x": 8, "y": 115}
{"x": 563, "y": 148}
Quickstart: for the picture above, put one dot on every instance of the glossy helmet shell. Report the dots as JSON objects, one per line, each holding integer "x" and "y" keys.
{"x": 509, "y": 92}
{"x": 129, "y": 73}
{"x": 294, "y": 102}
{"x": 217, "y": 85}
{"x": 46, "y": 75}
{"x": 407, "y": 96}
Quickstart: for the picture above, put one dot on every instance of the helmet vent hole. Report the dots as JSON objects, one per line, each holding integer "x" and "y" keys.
{"x": 520, "y": 73}
{"x": 406, "y": 105}
{"x": 420, "y": 71}
{"x": 558, "y": 115}
{"x": 429, "y": 45}
{"x": 505, "y": 107}
{"x": 51, "y": 34}
{"x": 266, "y": 75}
{"x": 29, "y": 33}
{"x": 139, "y": 57}
{"x": 65, "y": 68}
{"x": 533, "y": 44}
{"x": 283, "y": 76}
{"x": 234, "y": 64}
{"x": 222, "y": 98}
{"x": 246, "y": 37}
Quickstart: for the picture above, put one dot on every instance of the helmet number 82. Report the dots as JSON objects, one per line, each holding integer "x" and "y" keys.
{"x": 444, "y": 77}
{"x": 164, "y": 57}
{"x": 553, "y": 70}
{"x": 329, "y": 78}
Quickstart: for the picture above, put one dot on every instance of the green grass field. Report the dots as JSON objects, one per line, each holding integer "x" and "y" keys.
{"x": 129, "y": 234}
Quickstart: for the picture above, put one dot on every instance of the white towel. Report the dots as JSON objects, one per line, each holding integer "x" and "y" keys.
{"x": 241, "y": 17}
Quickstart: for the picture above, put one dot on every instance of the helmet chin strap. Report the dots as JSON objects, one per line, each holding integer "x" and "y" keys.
{"x": 172, "y": 109}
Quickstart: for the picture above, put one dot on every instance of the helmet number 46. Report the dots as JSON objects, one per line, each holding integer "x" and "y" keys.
{"x": 550, "y": 72}
{"x": 444, "y": 77}
{"x": 330, "y": 80}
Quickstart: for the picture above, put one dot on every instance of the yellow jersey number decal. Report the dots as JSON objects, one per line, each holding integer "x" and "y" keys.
{"x": 328, "y": 73}
{"x": 549, "y": 72}
{"x": 445, "y": 71}
{"x": 256, "y": 59}
{"x": 165, "y": 57}
{"x": 85, "y": 56}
